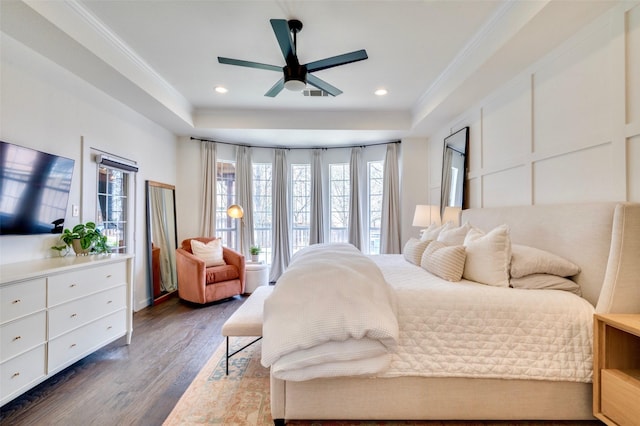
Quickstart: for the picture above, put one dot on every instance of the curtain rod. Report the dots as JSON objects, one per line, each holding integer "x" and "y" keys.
{"x": 295, "y": 147}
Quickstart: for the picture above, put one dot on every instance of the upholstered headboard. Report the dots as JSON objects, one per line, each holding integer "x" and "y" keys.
{"x": 602, "y": 238}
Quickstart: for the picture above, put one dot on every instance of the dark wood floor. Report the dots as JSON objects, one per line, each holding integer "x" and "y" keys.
{"x": 129, "y": 385}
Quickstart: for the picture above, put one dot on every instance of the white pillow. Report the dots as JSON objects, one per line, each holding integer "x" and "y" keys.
{"x": 445, "y": 261}
{"x": 454, "y": 236}
{"x": 431, "y": 233}
{"x": 488, "y": 256}
{"x": 527, "y": 260}
{"x": 546, "y": 281}
{"x": 413, "y": 250}
{"x": 211, "y": 252}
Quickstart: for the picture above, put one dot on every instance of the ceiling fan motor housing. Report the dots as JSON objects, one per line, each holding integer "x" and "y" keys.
{"x": 295, "y": 77}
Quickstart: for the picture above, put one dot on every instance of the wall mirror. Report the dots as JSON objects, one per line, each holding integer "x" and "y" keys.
{"x": 454, "y": 170}
{"x": 162, "y": 240}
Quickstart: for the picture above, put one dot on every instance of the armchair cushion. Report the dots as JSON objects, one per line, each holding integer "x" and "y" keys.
{"x": 216, "y": 274}
{"x": 210, "y": 252}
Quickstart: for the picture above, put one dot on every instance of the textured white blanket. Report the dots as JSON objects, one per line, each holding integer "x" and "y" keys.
{"x": 467, "y": 329}
{"x": 330, "y": 314}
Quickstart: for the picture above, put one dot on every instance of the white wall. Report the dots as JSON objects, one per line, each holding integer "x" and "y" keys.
{"x": 44, "y": 107}
{"x": 565, "y": 130}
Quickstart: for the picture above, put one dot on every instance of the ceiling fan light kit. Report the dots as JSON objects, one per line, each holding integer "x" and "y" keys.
{"x": 296, "y": 76}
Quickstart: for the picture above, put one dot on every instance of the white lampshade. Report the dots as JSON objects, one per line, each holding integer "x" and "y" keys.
{"x": 452, "y": 214}
{"x": 235, "y": 211}
{"x": 425, "y": 215}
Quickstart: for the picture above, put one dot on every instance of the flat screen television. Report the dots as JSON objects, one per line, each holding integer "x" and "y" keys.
{"x": 34, "y": 190}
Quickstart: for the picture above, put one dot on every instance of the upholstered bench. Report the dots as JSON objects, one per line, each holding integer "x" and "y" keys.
{"x": 247, "y": 319}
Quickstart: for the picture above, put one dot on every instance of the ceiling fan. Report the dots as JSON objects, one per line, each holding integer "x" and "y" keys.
{"x": 297, "y": 76}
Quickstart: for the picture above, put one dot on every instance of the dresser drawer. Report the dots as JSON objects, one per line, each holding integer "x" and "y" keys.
{"x": 620, "y": 395}
{"x": 70, "y": 315}
{"x": 21, "y": 372}
{"x": 73, "y": 285}
{"x": 22, "y": 334}
{"x": 74, "y": 345}
{"x": 23, "y": 298}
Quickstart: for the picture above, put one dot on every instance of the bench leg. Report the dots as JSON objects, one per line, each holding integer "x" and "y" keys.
{"x": 229, "y": 355}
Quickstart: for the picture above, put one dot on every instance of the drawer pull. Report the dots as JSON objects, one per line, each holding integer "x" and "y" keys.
{"x": 17, "y": 301}
{"x": 110, "y": 327}
{"x": 109, "y": 276}
{"x": 74, "y": 315}
{"x": 73, "y": 345}
{"x": 17, "y": 338}
{"x": 16, "y": 374}
{"x": 109, "y": 301}
{"x": 73, "y": 285}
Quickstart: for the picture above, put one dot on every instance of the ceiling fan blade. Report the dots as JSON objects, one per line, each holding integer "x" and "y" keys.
{"x": 277, "y": 88}
{"x": 283, "y": 35}
{"x": 323, "y": 85}
{"x": 334, "y": 61}
{"x": 249, "y": 64}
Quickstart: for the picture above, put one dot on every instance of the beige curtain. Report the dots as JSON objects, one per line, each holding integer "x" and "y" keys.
{"x": 390, "y": 220}
{"x": 208, "y": 219}
{"x": 280, "y": 228}
{"x": 316, "y": 234}
{"x": 244, "y": 196}
{"x": 355, "y": 206}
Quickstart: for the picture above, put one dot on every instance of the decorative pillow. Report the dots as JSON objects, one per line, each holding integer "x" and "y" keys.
{"x": 488, "y": 256}
{"x": 431, "y": 233}
{"x": 454, "y": 236}
{"x": 546, "y": 281}
{"x": 443, "y": 260}
{"x": 211, "y": 252}
{"x": 527, "y": 260}
{"x": 413, "y": 250}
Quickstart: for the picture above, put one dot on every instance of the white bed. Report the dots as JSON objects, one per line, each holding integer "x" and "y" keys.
{"x": 431, "y": 374}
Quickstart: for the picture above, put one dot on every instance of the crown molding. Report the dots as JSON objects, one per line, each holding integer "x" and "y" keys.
{"x": 75, "y": 20}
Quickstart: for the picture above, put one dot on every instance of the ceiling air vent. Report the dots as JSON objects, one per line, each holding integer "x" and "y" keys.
{"x": 314, "y": 92}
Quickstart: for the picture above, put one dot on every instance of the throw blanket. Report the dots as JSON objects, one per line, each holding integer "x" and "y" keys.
{"x": 330, "y": 314}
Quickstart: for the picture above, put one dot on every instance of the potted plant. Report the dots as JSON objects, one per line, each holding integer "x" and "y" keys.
{"x": 84, "y": 239}
{"x": 255, "y": 253}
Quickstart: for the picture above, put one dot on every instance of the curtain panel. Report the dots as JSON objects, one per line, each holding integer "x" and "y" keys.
{"x": 208, "y": 167}
{"x": 390, "y": 221}
{"x": 355, "y": 206}
{"x": 244, "y": 197}
{"x": 316, "y": 232}
{"x": 280, "y": 217}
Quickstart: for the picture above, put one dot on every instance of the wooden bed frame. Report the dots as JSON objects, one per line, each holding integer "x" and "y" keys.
{"x": 603, "y": 238}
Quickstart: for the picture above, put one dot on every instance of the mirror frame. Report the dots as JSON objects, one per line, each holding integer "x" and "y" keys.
{"x": 456, "y": 142}
{"x": 164, "y": 295}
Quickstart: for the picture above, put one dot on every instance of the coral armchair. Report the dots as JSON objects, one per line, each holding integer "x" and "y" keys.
{"x": 200, "y": 284}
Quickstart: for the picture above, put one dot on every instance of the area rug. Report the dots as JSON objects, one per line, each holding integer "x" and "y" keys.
{"x": 242, "y": 397}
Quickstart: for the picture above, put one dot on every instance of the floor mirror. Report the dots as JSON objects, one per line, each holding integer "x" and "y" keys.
{"x": 162, "y": 240}
{"x": 454, "y": 169}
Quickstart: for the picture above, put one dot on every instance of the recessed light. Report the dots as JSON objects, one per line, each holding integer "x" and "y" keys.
{"x": 221, "y": 89}
{"x": 381, "y": 92}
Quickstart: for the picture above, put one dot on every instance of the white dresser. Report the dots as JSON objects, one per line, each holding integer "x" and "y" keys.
{"x": 56, "y": 311}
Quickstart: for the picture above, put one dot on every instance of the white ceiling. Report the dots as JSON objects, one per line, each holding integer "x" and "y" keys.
{"x": 160, "y": 57}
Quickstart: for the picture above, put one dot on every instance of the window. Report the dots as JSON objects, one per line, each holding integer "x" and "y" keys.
{"x": 375, "y": 178}
{"x": 262, "y": 208}
{"x": 300, "y": 205}
{"x": 339, "y": 197}
{"x": 226, "y": 227}
{"x": 111, "y": 218}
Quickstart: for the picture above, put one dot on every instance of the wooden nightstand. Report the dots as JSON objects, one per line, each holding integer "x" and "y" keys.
{"x": 616, "y": 368}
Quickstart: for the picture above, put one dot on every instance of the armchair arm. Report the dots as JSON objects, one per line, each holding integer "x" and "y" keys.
{"x": 192, "y": 277}
{"x": 232, "y": 257}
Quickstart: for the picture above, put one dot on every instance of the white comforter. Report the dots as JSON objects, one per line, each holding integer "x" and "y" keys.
{"x": 467, "y": 329}
{"x": 330, "y": 314}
